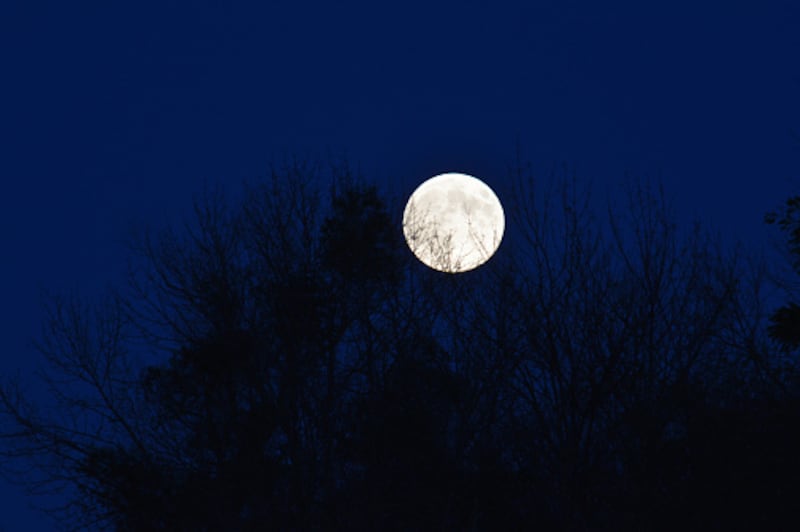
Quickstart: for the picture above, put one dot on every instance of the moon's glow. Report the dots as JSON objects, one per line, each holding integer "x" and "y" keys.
{"x": 453, "y": 222}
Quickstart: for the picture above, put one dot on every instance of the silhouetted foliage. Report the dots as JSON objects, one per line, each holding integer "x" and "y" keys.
{"x": 359, "y": 240}
{"x": 785, "y": 325}
{"x": 285, "y": 364}
{"x": 785, "y": 321}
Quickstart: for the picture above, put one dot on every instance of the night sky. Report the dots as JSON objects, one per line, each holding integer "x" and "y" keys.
{"x": 113, "y": 116}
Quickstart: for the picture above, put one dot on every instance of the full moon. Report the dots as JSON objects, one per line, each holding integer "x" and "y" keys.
{"x": 453, "y": 222}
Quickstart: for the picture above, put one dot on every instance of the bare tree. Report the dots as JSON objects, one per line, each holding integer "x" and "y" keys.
{"x": 284, "y": 362}
{"x": 599, "y": 342}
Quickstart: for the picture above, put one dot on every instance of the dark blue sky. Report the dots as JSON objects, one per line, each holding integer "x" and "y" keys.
{"x": 112, "y": 115}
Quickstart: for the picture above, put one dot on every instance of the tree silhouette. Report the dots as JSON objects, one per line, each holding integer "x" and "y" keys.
{"x": 785, "y": 321}
{"x": 284, "y": 363}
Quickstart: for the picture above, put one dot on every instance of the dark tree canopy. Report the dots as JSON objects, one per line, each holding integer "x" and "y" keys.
{"x": 360, "y": 241}
{"x": 785, "y": 321}
{"x": 285, "y": 364}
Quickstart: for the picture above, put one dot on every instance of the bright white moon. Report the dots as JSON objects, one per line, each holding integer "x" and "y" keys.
{"x": 453, "y": 222}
